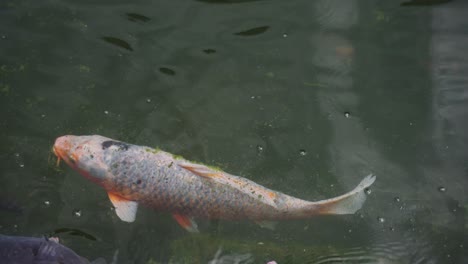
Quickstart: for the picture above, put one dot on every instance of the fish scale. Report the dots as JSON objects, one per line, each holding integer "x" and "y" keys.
{"x": 133, "y": 175}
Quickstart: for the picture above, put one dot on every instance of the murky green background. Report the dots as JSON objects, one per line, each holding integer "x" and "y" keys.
{"x": 305, "y": 97}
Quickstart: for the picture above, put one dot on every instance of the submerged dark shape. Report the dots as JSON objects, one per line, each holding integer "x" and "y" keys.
{"x": 424, "y": 2}
{"x": 118, "y": 42}
{"x": 134, "y": 17}
{"x": 74, "y": 232}
{"x": 19, "y": 250}
{"x": 227, "y": 1}
{"x": 167, "y": 71}
{"x": 253, "y": 31}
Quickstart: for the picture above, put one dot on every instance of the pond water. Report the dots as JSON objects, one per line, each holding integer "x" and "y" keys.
{"x": 305, "y": 97}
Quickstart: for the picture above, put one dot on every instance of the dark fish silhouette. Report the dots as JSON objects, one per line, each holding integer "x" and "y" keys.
{"x": 33, "y": 250}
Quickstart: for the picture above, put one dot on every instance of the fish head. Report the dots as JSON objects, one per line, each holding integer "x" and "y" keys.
{"x": 85, "y": 154}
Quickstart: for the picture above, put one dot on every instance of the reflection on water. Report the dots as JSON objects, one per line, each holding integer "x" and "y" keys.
{"x": 305, "y": 97}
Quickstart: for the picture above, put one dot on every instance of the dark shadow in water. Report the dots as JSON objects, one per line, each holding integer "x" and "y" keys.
{"x": 74, "y": 232}
{"x": 118, "y": 42}
{"x": 227, "y": 1}
{"x": 134, "y": 17}
{"x": 167, "y": 71}
{"x": 252, "y": 31}
{"x": 424, "y": 2}
{"x": 209, "y": 51}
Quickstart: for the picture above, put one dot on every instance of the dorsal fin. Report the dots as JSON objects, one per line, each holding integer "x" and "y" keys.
{"x": 249, "y": 187}
{"x": 201, "y": 170}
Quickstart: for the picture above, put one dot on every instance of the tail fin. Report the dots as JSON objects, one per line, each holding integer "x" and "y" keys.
{"x": 347, "y": 203}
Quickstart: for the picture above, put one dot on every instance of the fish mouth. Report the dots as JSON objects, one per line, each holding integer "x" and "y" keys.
{"x": 61, "y": 148}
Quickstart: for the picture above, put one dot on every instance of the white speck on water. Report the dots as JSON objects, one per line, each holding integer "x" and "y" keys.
{"x": 302, "y": 152}
{"x": 350, "y": 230}
{"x": 17, "y": 155}
{"x": 148, "y": 100}
{"x": 43, "y": 115}
{"x": 260, "y": 243}
{"x": 47, "y": 203}
{"x": 347, "y": 114}
{"x": 381, "y": 219}
{"x": 259, "y": 148}
{"x": 252, "y": 97}
{"x": 392, "y": 229}
{"x": 397, "y": 199}
{"x": 76, "y": 213}
{"x": 285, "y": 35}
{"x": 442, "y": 189}
{"x": 106, "y": 112}
{"x": 21, "y": 165}
{"x": 3, "y": 37}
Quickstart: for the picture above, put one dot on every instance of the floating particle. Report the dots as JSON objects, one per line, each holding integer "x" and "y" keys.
{"x": 76, "y": 213}
{"x": 106, "y": 112}
{"x": 302, "y": 152}
{"x": 381, "y": 219}
{"x": 397, "y": 199}
{"x": 47, "y": 203}
{"x": 442, "y": 189}
{"x": 148, "y": 100}
{"x": 259, "y": 148}
{"x": 347, "y": 114}
{"x": 368, "y": 191}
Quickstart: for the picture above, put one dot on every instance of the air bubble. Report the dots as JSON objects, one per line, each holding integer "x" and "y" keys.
{"x": 442, "y": 189}
{"x": 21, "y": 165}
{"x": 285, "y": 35}
{"x": 347, "y": 114}
{"x": 381, "y": 219}
{"x": 106, "y": 112}
{"x": 302, "y": 152}
{"x": 76, "y": 213}
{"x": 47, "y": 203}
{"x": 148, "y": 100}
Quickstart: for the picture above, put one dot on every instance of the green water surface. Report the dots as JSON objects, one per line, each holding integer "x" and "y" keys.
{"x": 305, "y": 97}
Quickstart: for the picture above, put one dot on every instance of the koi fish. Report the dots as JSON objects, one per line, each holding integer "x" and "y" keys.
{"x": 134, "y": 175}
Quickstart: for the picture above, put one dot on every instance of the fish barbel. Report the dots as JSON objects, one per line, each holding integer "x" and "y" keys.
{"x": 134, "y": 175}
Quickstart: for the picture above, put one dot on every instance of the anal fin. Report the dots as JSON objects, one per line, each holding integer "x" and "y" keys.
{"x": 125, "y": 209}
{"x": 186, "y": 222}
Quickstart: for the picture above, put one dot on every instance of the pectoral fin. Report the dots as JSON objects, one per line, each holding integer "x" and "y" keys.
{"x": 125, "y": 209}
{"x": 186, "y": 222}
